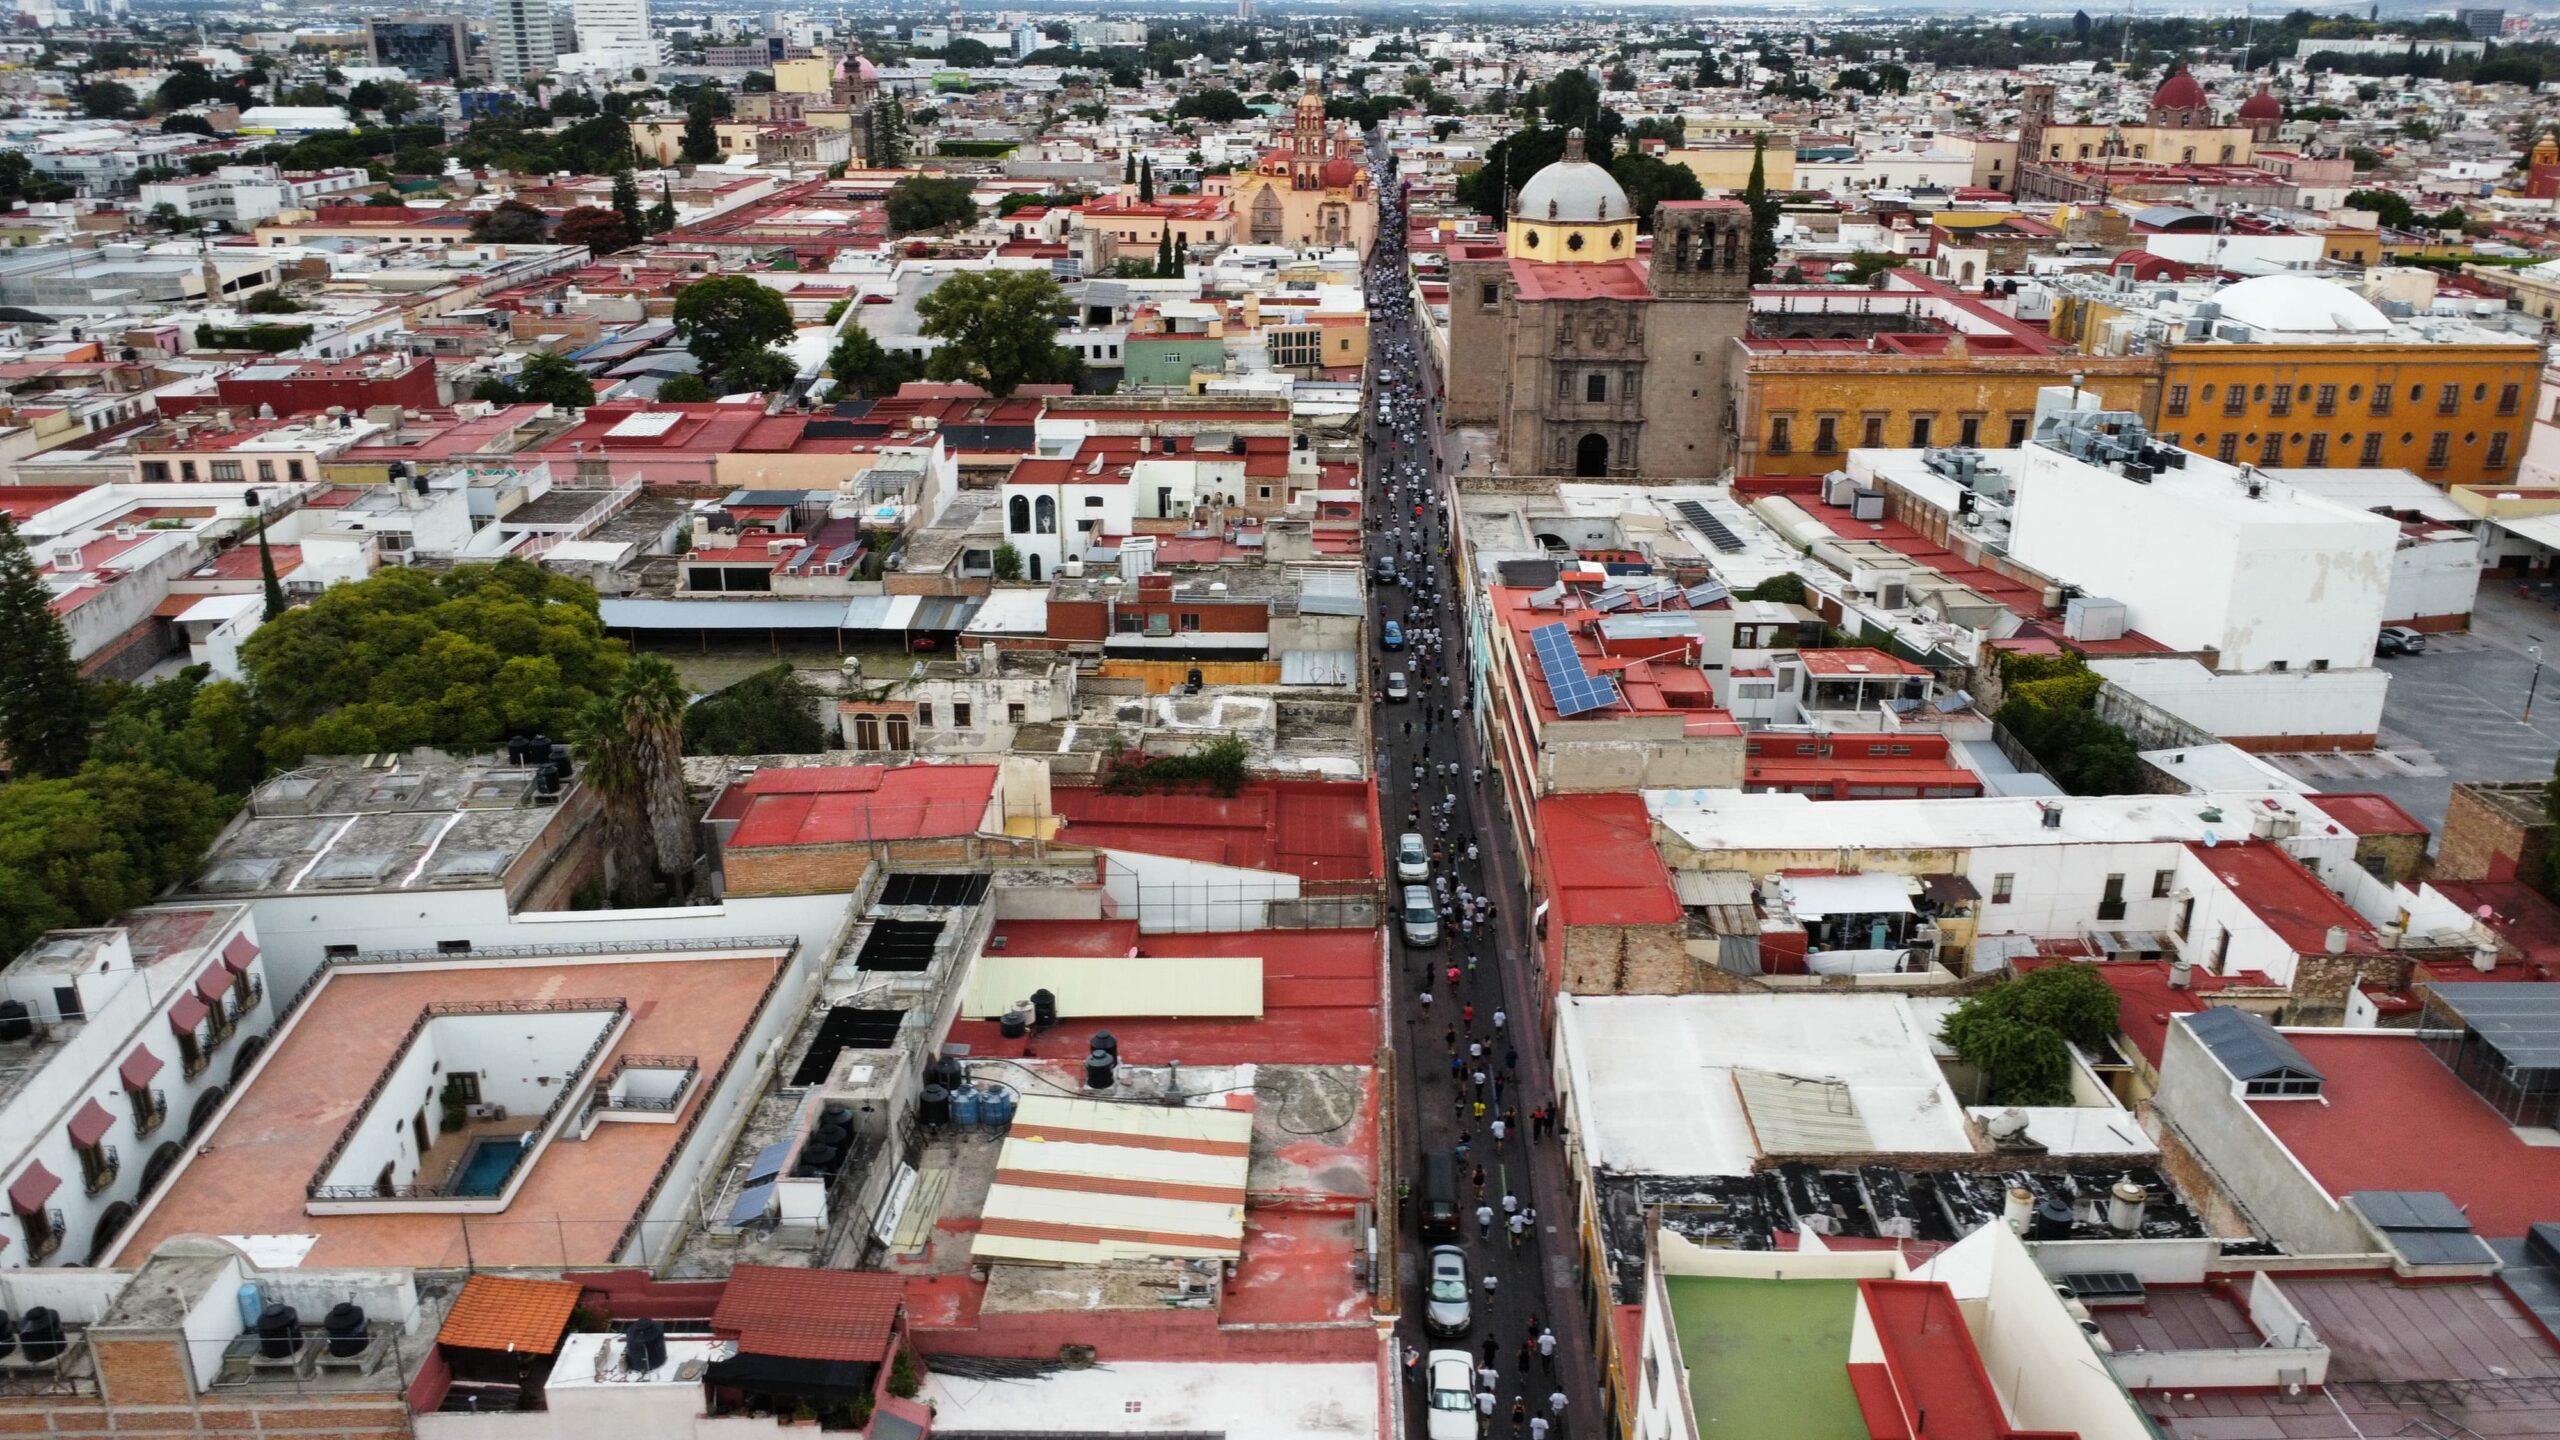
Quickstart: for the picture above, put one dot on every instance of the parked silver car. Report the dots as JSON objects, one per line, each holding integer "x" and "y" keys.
{"x": 1447, "y": 1312}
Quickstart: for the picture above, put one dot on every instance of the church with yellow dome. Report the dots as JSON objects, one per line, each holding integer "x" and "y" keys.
{"x": 1310, "y": 192}
{"x": 1592, "y": 349}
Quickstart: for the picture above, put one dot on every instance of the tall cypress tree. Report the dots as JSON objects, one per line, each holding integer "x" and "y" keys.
{"x": 1146, "y": 182}
{"x": 44, "y": 704}
{"x": 267, "y": 576}
{"x": 626, "y": 202}
{"x": 1764, "y": 214}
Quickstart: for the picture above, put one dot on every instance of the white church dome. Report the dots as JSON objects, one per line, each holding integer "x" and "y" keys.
{"x": 2301, "y": 304}
{"x": 1573, "y": 190}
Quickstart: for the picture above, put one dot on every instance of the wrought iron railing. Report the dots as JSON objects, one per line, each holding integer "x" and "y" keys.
{"x": 317, "y": 1190}
{"x": 98, "y": 1167}
{"x": 688, "y": 1066}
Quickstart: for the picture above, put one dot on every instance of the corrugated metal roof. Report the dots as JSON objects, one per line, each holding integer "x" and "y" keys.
{"x": 1802, "y": 1115}
{"x": 2522, "y": 1021}
{"x": 774, "y": 614}
{"x": 1083, "y": 1182}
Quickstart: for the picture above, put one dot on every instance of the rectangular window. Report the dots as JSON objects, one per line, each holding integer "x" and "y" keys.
{"x": 2382, "y": 399}
{"x": 227, "y": 470}
{"x": 266, "y": 472}
{"x": 2227, "y": 449}
{"x": 2496, "y": 459}
{"x": 2111, "y": 900}
{"x": 2002, "y": 886}
{"x": 2371, "y": 454}
{"x": 1826, "y": 436}
{"x": 1873, "y": 438}
{"x": 1190, "y": 619}
{"x": 293, "y": 471}
{"x": 1159, "y": 624}
{"x": 2280, "y": 402}
{"x": 2018, "y": 431}
{"x": 1920, "y": 430}
{"x": 2326, "y": 401}
{"x": 1595, "y": 388}
{"x": 959, "y": 714}
{"x": 187, "y": 471}
{"x": 2509, "y": 397}
{"x": 1969, "y": 430}
{"x": 2177, "y": 400}
{"x": 2160, "y": 883}
{"x": 1128, "y": 623}
{"x": 155, "y": 471}
{"x": 2271, "y": 449}
{"x": 2439, "y": 449}
{"x": 2315, "y": 451}
{"x": 1780, "y": 442}
{"x": 2448, "y": 399}
{"x": 2235, "y": 400}
{"x": 1489, "y": 295}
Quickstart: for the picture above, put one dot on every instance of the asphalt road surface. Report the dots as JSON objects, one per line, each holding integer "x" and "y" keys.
{"x": 1537, "y": 1283}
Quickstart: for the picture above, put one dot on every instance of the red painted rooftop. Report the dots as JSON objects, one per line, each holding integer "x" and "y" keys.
{"x": 2367, "y": 814}
{"x": 2391, "y": 1117}
{"x": 1848, "y": 661}
{"x": 841, "y": 804}
{"x": 1319, "y": 997}
{"x": 1318, "y": 830}
{"x": 1931, "y": 1381}
{"x": 2146, "y": 999}
{"x": 1622, "y": 280}
{"x": 2290, "y": 899}
{"x": 1601, "y": 864}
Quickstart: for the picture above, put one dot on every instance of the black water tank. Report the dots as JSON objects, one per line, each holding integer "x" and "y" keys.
{"x": 1104, "y": 1041}
{"x": 345, "y": 1326}
{"x": 935, "y": 1107}
{"x": 835, "y": 1115}
{"x": 8, "y": 1333}
{"x": 560, "y": 757}
{"x": 834, "y": 1135}
{"x": 279, "y": 1331}
{"x": 644, "y": 1346}
{"x": 1044, "y": 1009}
{"x": 2053, "y": 1221}
{"x": 16, "y": 1021}
{"x": 817, "y": 1159}
{"x": 40, "y": 1334}
{"x": 1098, "y": 1067}
{"x": 1014, "y": 1024}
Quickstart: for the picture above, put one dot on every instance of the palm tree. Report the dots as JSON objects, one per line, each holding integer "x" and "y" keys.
{"x": 635, "y": 762}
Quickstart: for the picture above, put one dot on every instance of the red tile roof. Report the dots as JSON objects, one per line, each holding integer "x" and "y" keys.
{"x": 2287, "y": 897}
{"x": 801, "y": 1314}
{"x": 497, "y": 1312}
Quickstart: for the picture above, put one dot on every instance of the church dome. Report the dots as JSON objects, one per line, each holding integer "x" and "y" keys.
{"x": 2262, "y": 106}
{"x": 1573, "y": 190}
{"x": 2178, "y": 92}
{"x": 1339, "y": 172}
{"x": 2301, "y": 304}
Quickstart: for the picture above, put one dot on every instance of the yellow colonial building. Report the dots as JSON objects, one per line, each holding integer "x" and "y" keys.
{"x": 1310, "y": 191}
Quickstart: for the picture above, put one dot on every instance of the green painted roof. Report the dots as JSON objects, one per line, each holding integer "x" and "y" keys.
{"x": 1768, "y": 1359}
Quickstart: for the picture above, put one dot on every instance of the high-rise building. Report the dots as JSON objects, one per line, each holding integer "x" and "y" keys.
{"x": 2483, "y": 23}
{"x": 521, "y": 39}
{"x": 619, "y": 28}
{"x": 435, "y": 49}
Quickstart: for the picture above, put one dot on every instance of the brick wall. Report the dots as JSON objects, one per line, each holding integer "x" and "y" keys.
{"x": 2493, "y": 832}
{"x": 1626, "y": 960}
{"x": 145, "y": 1389}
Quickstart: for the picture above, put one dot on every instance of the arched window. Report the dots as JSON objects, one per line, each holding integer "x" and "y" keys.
{"x": 1018, "y": 516}
{"x": 1045, "y": 513}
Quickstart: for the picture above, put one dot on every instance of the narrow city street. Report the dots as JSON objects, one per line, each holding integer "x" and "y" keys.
{"x": 1466, "y": 1012}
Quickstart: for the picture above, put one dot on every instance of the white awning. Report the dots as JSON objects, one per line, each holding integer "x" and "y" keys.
{"x": 1814, "y": 896}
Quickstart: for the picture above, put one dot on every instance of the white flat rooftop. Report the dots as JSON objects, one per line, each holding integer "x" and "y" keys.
{"x": 1734, "y": 820}
{"x": 1238, "y": 1401}
{"x": 1655, "y": 1087}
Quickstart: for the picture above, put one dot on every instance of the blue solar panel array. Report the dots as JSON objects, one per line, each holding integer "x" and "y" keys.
{"x": 1574, "y": 689}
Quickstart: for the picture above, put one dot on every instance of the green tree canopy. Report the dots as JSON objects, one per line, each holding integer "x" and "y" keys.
{"x": 2019, "y": 1032}
{"x": 44, "y": 704}
{"x": 701, "y": 143}
{"x": 85, "y": 849}
{"x": 406, "y": 658}
{"x": 2051, "y": 709}
{"x": 999, "y": 329}
{"x": 2393, "y": 210}
{"x": 862, "y": 365}
{"x": 1764, "y": 213}
{"x": 967, "y": 53}
{"x": 684, "y": 389}
{"x": 1215, "y": 103}
{"x": 511, "y": 222}
{"x": 930, "y": 202}
{"x": 1648, "y": 182}
{"x": 105, "y": 99}
{"x": 772, "y": 712}
{"x": 728, "y": 319}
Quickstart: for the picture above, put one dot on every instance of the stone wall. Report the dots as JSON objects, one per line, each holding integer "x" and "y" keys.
{"x": 2494, "y": 831}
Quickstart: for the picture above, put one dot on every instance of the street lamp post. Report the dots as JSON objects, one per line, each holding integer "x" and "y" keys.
{"x": 2533, "y": 684}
